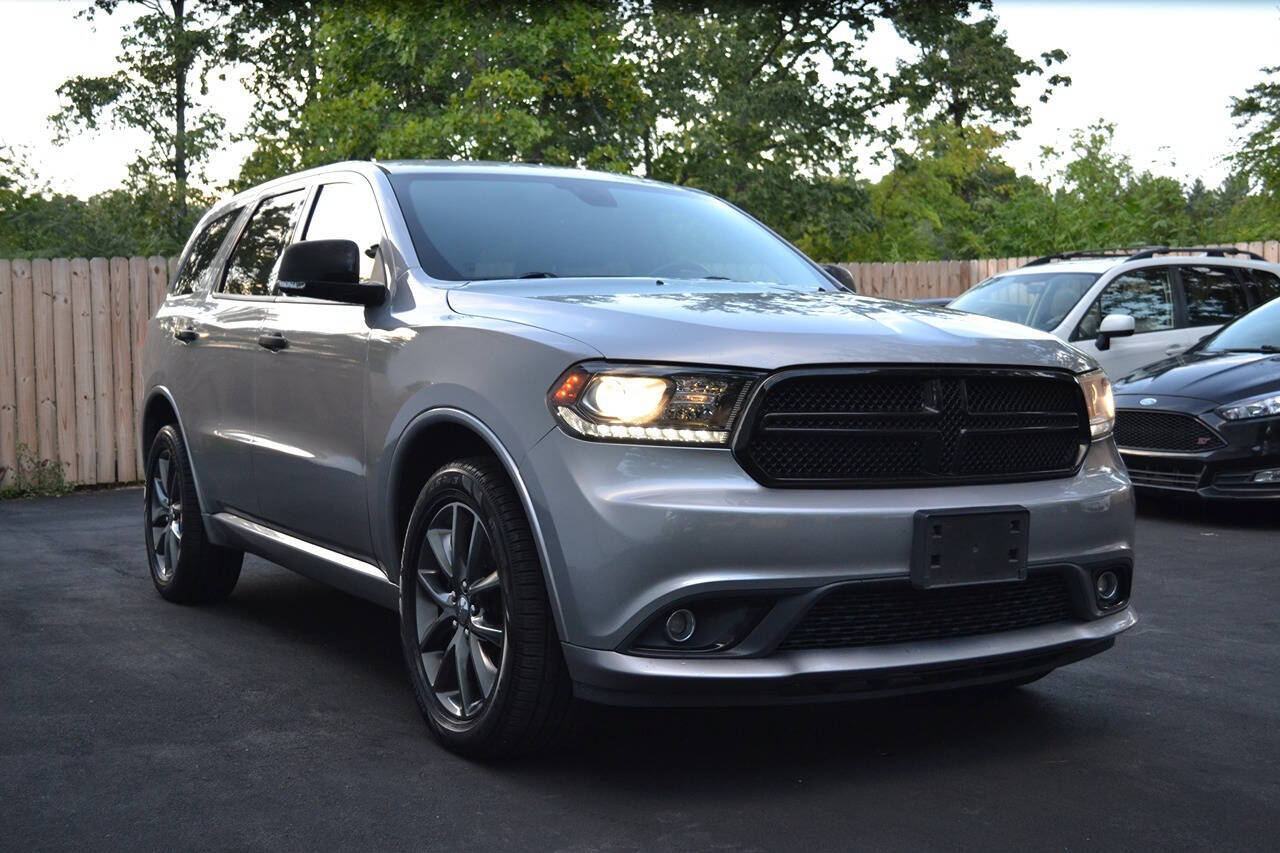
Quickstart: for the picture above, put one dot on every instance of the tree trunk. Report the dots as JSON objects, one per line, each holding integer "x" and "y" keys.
{"x": 182, "y": 64}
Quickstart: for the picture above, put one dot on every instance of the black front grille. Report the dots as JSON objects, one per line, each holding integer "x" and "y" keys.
{"x": 1181, "y": 475}
{"x": 1170, "y": 431}
{"x": 880, "y": 427}
{"x": 876, "y": 613}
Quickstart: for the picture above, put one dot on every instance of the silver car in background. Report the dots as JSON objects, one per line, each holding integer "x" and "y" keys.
{"x": 599, "y": 438}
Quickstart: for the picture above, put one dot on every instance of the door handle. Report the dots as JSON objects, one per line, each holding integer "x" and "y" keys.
{"x": 273, "y": 342}
{"x": 1174, "y": 350}
{"x": 186, "y": 335}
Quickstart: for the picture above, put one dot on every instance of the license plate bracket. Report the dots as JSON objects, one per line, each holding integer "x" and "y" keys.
{"x": 962, "y": 547}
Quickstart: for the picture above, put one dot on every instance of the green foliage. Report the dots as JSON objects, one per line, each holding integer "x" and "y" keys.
{"x": 537, "y": 82}
{"x": 1258, "y": 114}
{"x": 33, "y": 478}
{"x": 764, "y": 104}
{"x": 37, "y": 222}
{"x": 967, "y": 73}
{"x": 167, "y": 54}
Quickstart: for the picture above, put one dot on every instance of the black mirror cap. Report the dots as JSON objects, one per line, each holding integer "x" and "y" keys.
{"x": 841, "y": 275}
{"x": 336, "y": 261}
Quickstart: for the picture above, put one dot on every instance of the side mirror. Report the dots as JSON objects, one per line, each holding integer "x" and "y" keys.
{"x": 1114, "y": 326}
{"x": 327, "y": 269}
{"x": 841, "y": 275}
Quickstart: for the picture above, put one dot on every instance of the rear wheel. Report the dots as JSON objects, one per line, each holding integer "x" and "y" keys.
{"x": 476, "y": 627}
{"x": 185, "y": 566}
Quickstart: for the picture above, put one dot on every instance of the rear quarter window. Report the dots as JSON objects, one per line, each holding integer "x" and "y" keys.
{"x": 1263, "y": 286}
{"x": 195, "y": 269}
{"x": 1213, "y": 297}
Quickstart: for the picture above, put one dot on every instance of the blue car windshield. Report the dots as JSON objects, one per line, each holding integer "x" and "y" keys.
{"x": 1040, "y": 300}
{"x": 1257, "y": 331}
{"x": 475, "y": 226}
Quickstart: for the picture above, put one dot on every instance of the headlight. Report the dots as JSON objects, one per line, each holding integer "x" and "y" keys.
{"x": 1100, "y": 403}
{"x": 651, "y": 404}
{"x": 1260, "y": 407}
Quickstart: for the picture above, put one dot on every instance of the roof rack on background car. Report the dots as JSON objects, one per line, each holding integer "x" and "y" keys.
{"x": 1141, "y": 254}
{"x": 1207, "y": 251}
{"x": 1080, "y": 253}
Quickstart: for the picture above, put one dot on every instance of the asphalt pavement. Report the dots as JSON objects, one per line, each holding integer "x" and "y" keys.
{"x": 282, "y": 720}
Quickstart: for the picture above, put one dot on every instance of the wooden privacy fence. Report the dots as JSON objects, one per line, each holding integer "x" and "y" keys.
{"x": 71, "y": 335}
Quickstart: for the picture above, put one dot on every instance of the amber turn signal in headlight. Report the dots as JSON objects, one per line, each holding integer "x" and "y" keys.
{"x": 651, "y": 404}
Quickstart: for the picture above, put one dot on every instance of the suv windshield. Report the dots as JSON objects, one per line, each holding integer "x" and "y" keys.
{"x": 1257, "y": 331}
{"x": 1041, "y": 300}
{"x": 469, "y": 227}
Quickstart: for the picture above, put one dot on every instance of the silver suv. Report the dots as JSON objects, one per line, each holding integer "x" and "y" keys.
{"x": 600, "y": 438}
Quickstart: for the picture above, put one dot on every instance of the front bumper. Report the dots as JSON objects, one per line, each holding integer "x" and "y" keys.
{"x": 630, "y": 531}
{"x": 616, "y": 678}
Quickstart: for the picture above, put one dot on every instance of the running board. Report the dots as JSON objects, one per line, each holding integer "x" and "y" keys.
{"x": 306, "y": 558}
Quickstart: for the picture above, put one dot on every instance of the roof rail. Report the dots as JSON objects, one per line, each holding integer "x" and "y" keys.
{"x": 1142, "y": 254}
{"x": 1207, "y": 251}
{"x": 1080, "y": 253}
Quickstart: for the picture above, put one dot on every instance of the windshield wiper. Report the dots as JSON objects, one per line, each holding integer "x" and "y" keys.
{"x": 1260, "y": 348}
{"x": 538, "y": 275}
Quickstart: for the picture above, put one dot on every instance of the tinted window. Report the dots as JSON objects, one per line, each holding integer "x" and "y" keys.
{"x": 348, "y": 212}
{"x": 482, "y": 226}
{"x": 1263, "y": 286}
{"x": 1213, "y": 297}
{"x": 251, "y": 270}
{"x": 1143, "y": 294}
{"x": 203, "y": 252}
{"x": 1041, "y": 301}
{"x": 1256, "y": 331}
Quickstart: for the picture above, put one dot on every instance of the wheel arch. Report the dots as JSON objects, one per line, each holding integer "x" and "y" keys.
{"x": 433, "y": 438}
{"x": 158, "y": 411}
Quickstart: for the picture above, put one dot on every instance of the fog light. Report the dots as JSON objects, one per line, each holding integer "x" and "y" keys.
{"x": 680, "y": 625}
{"x": 1270, "y": 476}
{"x": 1107, "y": 586}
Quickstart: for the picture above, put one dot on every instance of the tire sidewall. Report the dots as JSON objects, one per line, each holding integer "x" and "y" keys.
{"x": 455, "y": 483}
{"x": 166, "y": 439}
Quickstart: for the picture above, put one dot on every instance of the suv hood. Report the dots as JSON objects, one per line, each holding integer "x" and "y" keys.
{"x": 757, "y": 325}
{"x": 1212, "y": 377}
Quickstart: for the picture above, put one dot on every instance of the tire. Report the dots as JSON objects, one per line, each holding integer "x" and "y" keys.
{"x": 202, "y": 573}
{"x": 487, "y": 604}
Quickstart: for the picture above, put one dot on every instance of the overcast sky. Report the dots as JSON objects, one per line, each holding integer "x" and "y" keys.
{"x": 1162, "y": 72}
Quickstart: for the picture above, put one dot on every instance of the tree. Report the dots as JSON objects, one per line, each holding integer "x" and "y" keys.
{"x": 167, "y": 54}
{"x": 529, "y": 81}
{"x": 1257, "y": 114}
{"x": 278, "y": 41}
{"x": 967, "y": 72}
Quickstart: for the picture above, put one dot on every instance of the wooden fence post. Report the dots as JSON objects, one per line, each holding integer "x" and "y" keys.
{"x": 64, "y": 379}
{"x": 122, "y": 370}
{"x": 103, "y": 382}
{"x": 82, "y": 346}
{"x": 8, "y": 388}
{"x": 24, "y": 355}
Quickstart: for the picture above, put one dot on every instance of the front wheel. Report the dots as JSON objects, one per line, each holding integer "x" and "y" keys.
{"x": 476, "y": 627}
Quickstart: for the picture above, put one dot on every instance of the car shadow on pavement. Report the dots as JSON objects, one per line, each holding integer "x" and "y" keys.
{"x": 631, "y": 747}
{"x": 1225, "y": 513}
